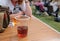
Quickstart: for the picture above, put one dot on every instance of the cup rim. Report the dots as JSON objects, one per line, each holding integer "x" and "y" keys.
{"x": 22, "y": 18}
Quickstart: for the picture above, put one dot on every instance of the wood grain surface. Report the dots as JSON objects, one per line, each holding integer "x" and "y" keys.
{"x": 37, "y": 31}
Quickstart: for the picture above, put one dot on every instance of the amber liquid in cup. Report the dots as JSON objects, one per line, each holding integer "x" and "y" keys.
{"x": 22, "y": 31}
{"x": 14, "y": 21}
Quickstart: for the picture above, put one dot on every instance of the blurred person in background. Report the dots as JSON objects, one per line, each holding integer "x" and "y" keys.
{"x": 26, "y": 7}
{"x": 40, "y": 7}
{"x": 49, "y": 8}
{"x": 14, "y": 8}
{"x": 17, "y": 8}
{"x": 54, "y": 4}
{"x": 37, "y": 5}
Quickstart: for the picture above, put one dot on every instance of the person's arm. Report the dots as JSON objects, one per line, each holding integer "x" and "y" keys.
{"x": 28, "y": 10}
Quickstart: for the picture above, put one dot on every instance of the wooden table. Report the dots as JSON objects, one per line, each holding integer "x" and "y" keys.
{"x": 37, "y": 31}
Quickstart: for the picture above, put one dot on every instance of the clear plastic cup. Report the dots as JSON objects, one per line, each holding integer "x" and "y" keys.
{"x": 22, "y": 25}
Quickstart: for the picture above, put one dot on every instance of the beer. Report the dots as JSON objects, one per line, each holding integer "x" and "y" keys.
{"x": 22, "y": 31}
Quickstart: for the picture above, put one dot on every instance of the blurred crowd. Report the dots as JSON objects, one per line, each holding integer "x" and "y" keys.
{"x": 48, "y": 7}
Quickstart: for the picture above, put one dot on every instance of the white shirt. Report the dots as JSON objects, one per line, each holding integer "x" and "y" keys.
{"x": 55, "y": 6}
{"x": 3, "y": 2}
{"x": 10, "y": 5}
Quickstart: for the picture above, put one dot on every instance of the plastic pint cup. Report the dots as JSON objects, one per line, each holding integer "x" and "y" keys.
{"x": 22, "y": 25}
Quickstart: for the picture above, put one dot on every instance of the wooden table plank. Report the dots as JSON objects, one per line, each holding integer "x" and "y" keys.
{"x": 37, "y": 31}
